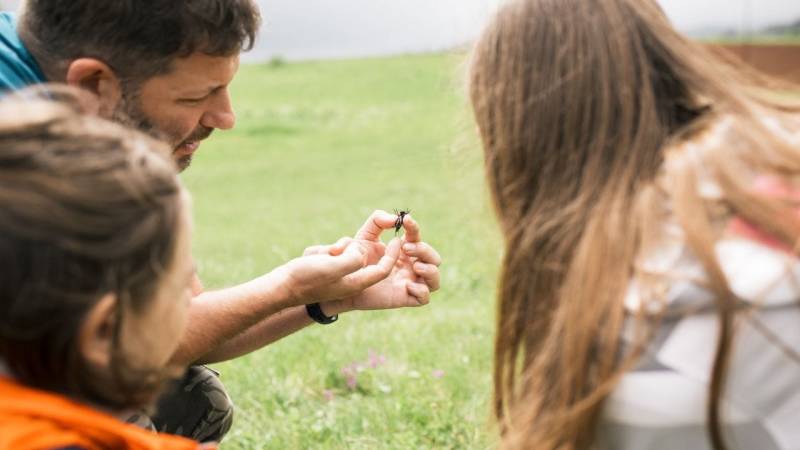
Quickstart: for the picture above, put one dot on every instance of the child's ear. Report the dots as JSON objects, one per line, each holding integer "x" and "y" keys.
{"x": 96, "y": 336}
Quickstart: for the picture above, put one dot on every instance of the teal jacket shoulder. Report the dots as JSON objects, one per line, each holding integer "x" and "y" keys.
{"x": 17, "y": 67}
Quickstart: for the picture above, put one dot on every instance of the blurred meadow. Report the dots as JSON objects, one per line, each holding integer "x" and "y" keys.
{"x": 319, "y": 146}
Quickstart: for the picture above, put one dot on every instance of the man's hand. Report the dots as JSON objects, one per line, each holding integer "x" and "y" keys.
{"x": 413, "y": 277}
{"x": 325, "y": 277}
{"x": 318, "y": 277}
{"x": 354, "y": 273}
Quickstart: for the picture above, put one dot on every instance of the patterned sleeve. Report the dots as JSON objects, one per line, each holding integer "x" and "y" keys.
{"x": 662, "y": 403}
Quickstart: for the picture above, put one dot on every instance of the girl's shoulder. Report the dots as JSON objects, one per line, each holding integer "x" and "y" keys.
{"x": 666, "y": 395}
{"x": 672, "y": 279}
{"x": 758, "y": 268}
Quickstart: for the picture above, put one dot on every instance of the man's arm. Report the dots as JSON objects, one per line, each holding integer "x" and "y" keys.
{"x": 405, "y": 286}
{"x": 269, "y": 330}
{"x": 216, "y": 318}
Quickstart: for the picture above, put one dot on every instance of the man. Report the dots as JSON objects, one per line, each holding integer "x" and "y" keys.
{"x": 165, "y": 66}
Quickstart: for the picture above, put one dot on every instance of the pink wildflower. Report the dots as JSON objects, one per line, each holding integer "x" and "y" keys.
{"x": 376, "y": 360}
{"x": 351, "y": 375}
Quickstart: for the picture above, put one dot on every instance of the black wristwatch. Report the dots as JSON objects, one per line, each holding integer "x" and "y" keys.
{"x": 315, "y": 312}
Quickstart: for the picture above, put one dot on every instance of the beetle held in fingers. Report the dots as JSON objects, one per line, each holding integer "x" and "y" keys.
{"x": 401, "y": 215}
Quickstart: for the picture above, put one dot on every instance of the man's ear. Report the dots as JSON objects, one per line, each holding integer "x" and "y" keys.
{"x": 96, "y": 335}
{"x": 98, "y": 78}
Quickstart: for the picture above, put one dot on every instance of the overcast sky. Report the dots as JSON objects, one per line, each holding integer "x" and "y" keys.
{"x": 342, "y": 28}
{"x": 695, "y": 14}
{"x": 301, "y": 29}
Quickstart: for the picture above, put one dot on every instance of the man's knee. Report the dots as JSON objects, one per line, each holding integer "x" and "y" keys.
{"x": 196, "y": 407}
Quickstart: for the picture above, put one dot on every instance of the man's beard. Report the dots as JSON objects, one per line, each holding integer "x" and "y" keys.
{"x": 130, "y": 114}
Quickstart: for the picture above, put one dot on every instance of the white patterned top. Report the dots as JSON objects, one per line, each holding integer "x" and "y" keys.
{"x": 662, "y": 403}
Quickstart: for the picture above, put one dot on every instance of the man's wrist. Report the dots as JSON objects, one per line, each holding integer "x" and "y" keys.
{"x": 336, "y": 307}
{"x": 289, "y": 293}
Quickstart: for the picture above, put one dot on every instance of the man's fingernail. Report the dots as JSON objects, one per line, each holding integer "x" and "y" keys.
{"x": 409, "y": 247}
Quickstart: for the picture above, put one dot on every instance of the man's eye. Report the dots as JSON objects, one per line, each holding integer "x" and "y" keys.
{"x": 192, "y": 101}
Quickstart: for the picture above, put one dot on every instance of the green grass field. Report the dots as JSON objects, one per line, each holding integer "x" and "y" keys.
{"x": 781, "y": 39}
{"x": 317, "y": 148}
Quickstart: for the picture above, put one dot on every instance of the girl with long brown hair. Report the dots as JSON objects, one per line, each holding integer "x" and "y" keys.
{"x": 647, "y": 193}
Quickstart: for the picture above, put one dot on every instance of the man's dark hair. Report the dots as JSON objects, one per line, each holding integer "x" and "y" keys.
{"x": 138, "y": 39}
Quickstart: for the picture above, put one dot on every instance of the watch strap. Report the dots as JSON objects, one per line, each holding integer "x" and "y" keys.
{"x": 314, "y": 311}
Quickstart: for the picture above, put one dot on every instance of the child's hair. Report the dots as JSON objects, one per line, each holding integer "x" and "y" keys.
{"x": 87, "y": 208}
{"x": 577, "y": 102}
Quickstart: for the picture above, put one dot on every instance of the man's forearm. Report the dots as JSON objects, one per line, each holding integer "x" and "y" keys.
{"x": 219, "y": 316}
{"x": 269, "y": 330}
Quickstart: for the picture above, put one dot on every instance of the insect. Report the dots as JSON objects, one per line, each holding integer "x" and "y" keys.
{"x": 401, "y": 215}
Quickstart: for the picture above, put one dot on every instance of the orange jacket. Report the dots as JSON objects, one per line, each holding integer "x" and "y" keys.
{"x": 39, "y": 420}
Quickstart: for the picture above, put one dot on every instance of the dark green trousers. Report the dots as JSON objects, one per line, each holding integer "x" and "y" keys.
{"x": 196, "y": 407}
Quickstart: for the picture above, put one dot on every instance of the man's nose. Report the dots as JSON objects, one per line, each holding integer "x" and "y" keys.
{"x": 219, "y": 114}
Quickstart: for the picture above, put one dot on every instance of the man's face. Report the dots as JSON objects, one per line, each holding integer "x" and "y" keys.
{"x": 185, "y": 105}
